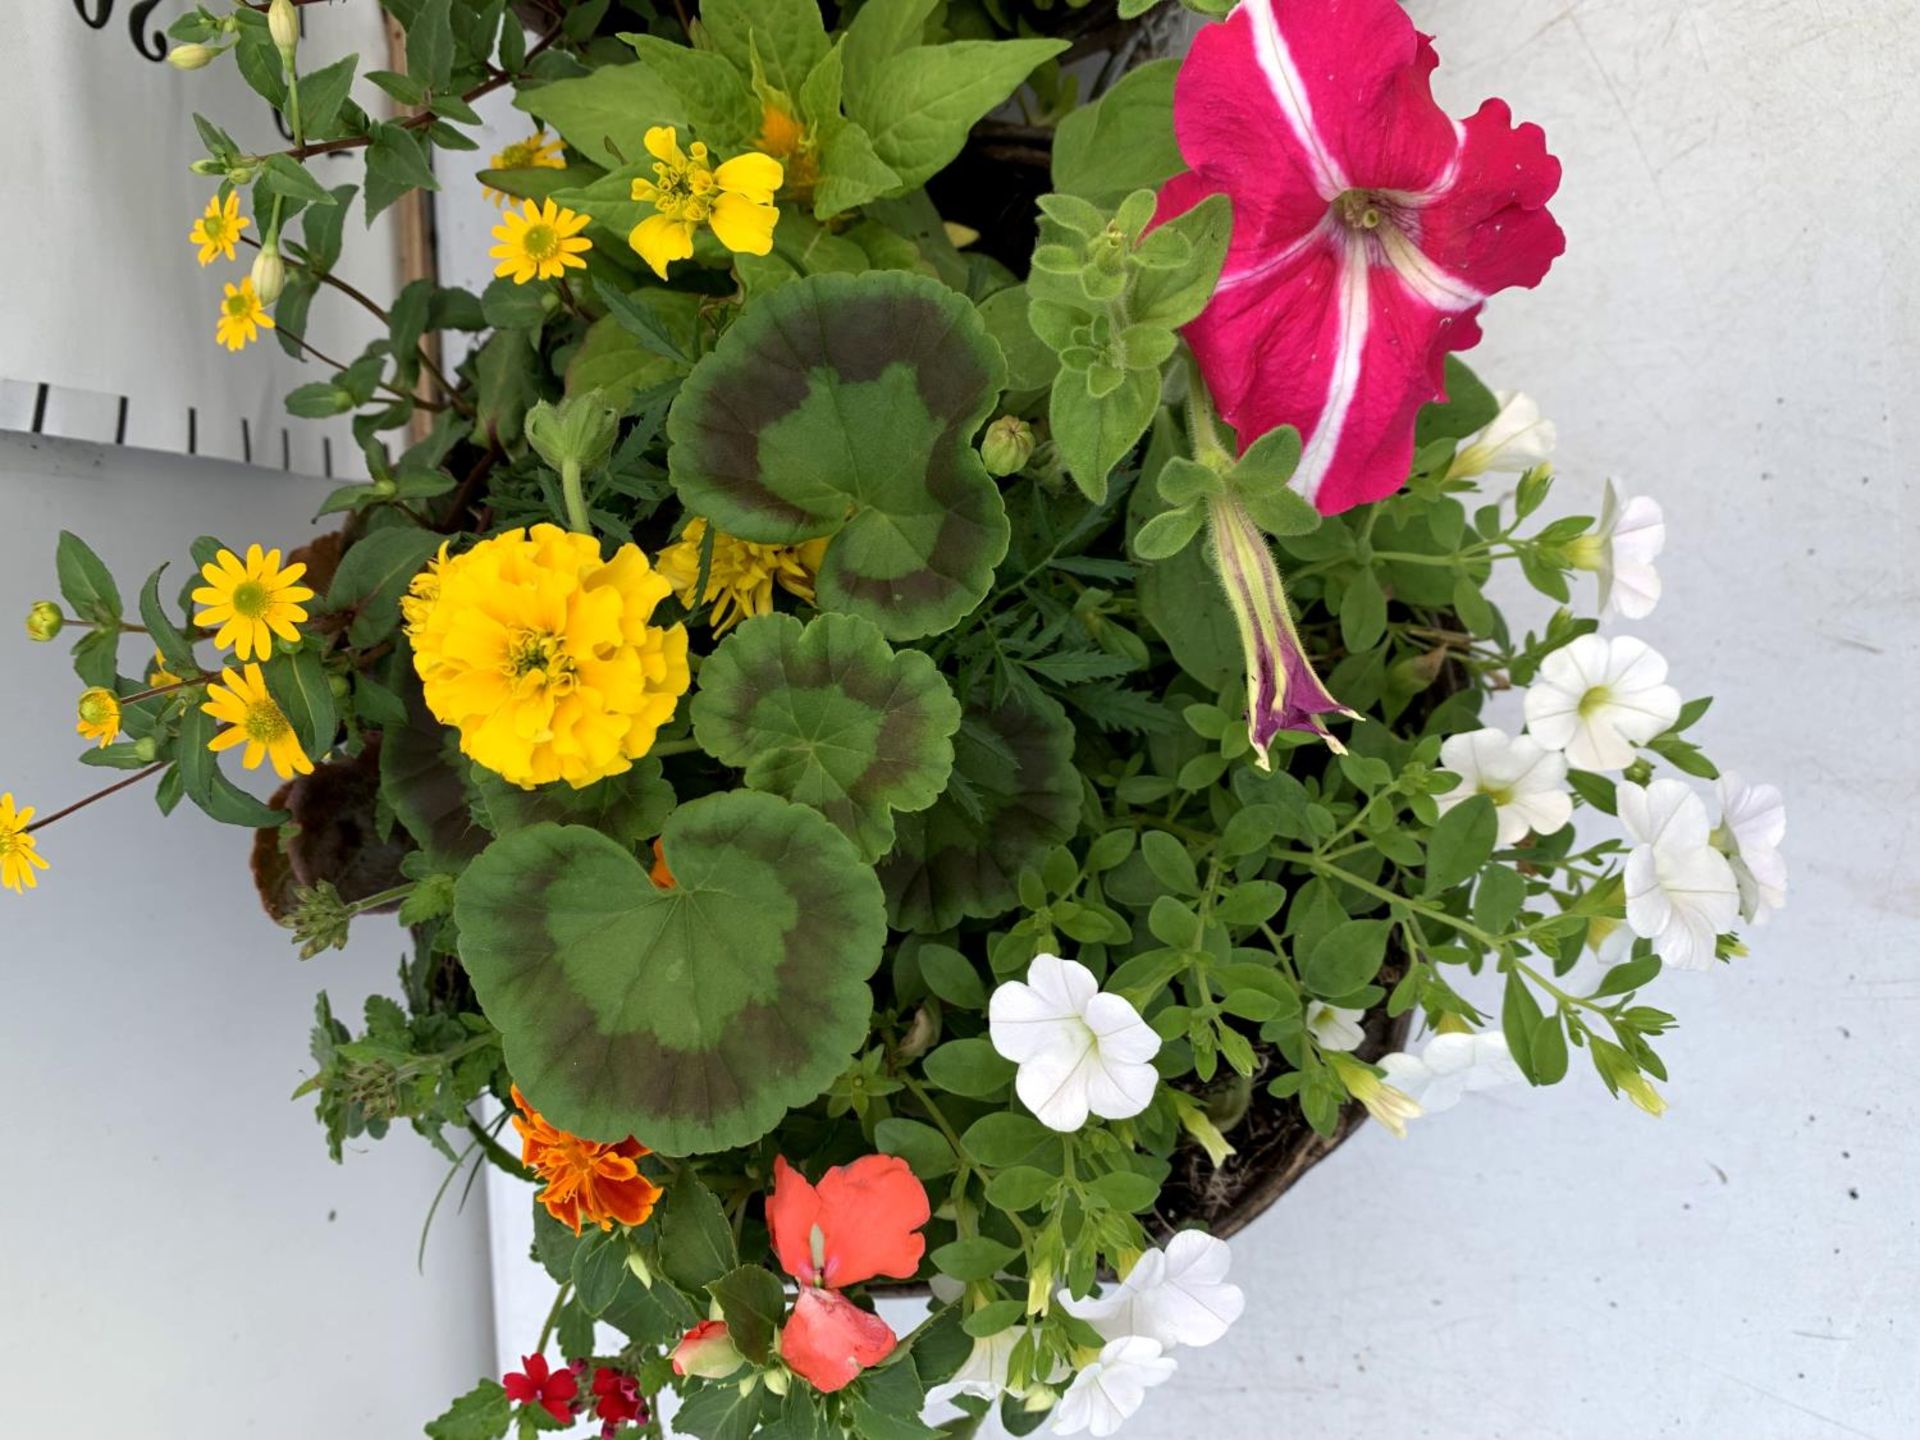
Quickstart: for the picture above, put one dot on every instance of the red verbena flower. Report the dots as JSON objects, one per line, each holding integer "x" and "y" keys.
{"x": 1368, "y": 229}
{"x": 860, "y": 1221}
{"x": 552, "y": 1390}
{"x": 617, "y": 1399}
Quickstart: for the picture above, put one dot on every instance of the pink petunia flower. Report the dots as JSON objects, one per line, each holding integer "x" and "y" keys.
{"x": 1368, "y": 229}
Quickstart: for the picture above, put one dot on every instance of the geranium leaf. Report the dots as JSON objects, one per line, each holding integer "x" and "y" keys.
{"x": 692, "y": 1016}
{"x": 829, "y": 715}
{"x": 844, "y": 406}
{"x": 963, "y": 856}
{"x": 630, "y": 807}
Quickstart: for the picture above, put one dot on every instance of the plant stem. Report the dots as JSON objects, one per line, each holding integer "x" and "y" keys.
{"x": 394, "y": 391}
{"x": 577, "y": 517}
{"x": 553, "y": 1316}
{"x": 498, "y": 1153}
{"x": 117, "y": 785}
{"x": 425, "y": 117}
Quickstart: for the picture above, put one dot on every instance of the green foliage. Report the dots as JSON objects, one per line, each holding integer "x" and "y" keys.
{"x": 829, "y": 715}
{"x": 693, "y": 1015}
{"x": 845, "y": 406}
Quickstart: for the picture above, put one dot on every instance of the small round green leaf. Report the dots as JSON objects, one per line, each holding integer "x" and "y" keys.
{"x": 693, "y": 1016}
{"x": 845, "y": 406}
{"x": 829, "y": 715}
{"x": 1013, "y": 794}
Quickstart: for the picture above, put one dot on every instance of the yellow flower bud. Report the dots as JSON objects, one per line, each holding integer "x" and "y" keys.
{"x": 192, "y": 57}
{"x": 1637, "y": 1088}
{"x": 45, "y": 620}
{"x": 283, "y": 24}
{"x": 99, "y": 716}
{"x": 269, "y": 273}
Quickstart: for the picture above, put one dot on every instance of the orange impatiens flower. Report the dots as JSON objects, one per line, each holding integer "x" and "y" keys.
{"x": 587, "y": 1180}
{"x": 860, "y": 1221}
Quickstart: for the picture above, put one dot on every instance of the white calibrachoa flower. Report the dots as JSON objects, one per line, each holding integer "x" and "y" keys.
{"x": 1621, "y": 550}
{"x": 1177, "y": 1296}
{"x": 1753, "y": 822}
{"x": 1105, "y": 1394}
{"x": 1450, "y": 1066}
{"x": 1526, "y": 781}
{"x": 1515, "y": 441}
{"x": 985, "y": 1372}
{"x": 1597, "y": 698}
{"x": 1388, "y": 1104}
{"x": 1681, "y": 892}
{"x": 1079, "y": 1051}
{"x": 1335, "y": 1027}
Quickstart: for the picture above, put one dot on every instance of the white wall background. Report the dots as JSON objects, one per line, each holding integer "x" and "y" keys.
{"x": 178, "y": 1257}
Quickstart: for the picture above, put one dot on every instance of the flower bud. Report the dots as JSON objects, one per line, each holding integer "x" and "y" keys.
{"x": 269, "y": 273}
{"x": 579, "y": 430}
{"x": 45, "y": 620}
{"x": 146, "y": 749}
{"x": 98, "y": 715}
{"x": 1007, "y": 446}
{"x": 283, "y": 24}
{"x": 192, "y": 57}
{"x": 708, "y": 1351}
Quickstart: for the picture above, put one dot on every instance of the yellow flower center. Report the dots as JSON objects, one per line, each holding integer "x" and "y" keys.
{"x": 685, "y": 192}
{"x": 215, "y": 227}
{"x": 239, "y": 306}
{"x": 265, "y": 723}
{"x": 537, "y": 661}
{"x": 249, "y": 596}
{"x": 519, "y": 155}
{"x": 1359, "y": 210}
{"x": 97, "y": 707}
{"x": 1596, "y": 699}
{"x": 1501, "y": 795}
{"x": 542, "y": 242}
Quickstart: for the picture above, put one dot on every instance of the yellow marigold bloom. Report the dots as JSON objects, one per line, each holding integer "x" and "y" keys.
{"x": 741, "y": 576}
{"x": 539, "y": 151}
{"x": 242, "y": 316}
{"x": 17, "y": 854}
{"x": 255, "y": 720}
{"x": 541, "y": 655}
{"x": 423, "y": 590}
{"x": 251, "y": 602}
{"x": 99, "y": 711}
{"x": 735, "y": 201}
{"x": 159, "y": 675}
{"x": 218, "y": 230}
{"x": 539, "y": 243}
{"x": 586, "y": 1179}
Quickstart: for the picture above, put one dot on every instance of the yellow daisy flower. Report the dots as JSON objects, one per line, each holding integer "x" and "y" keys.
{"x": 251, "y": 602}
{"x": 539, "y": 151}
{"x": 159, "y": 675}
{"x": 242, "y": 317}
{"x": 217, "y": 231}
{"x": 17, "y": 854}
{"x": 541, "y": 242}
{"x": 253, "y": 719}
{"x": 99, "y": 711}
{"x": 735, "y": 201}
{"x": 542, "y": 655}
{"x": 741, "y": 575}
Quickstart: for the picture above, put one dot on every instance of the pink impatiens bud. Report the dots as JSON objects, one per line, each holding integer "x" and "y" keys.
{"x": 708, "y": 1351}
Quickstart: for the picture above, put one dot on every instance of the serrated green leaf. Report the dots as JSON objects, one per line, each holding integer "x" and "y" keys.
{"x": 695, "y": 1015}
{"x": 829, "y": 715}
{"x": 629, "y": 807}
{"x": 844, "y": 406}
{"x": 922, "y": 102}
{"x": 606, "y": 113}
{"x": 953, "y": 861}
{"x": 1122, "y": 142}
{"x": 751, "y": 1301}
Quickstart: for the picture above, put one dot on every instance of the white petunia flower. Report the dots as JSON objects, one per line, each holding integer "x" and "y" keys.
{"x": 1681, "y": 892}
{"x": 1526, "y": 781}
{"x": 1621, "y": 551}
{"x": 1335, "y": 1027}
{"x": 1111, "y": 1388}
{"x": 1597, "y": 698}
{"x": 1177, "y": 1296}
{"x": 1079, "y": 1051}
{"x": 1449, "y": 1066}
{"x": 1753, "y": 822}
{"x": 1515, "y": 441}
{"x": 985, "y": 1372}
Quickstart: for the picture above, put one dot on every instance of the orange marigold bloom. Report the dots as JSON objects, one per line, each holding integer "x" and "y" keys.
{"x": 586, "y": 1179}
